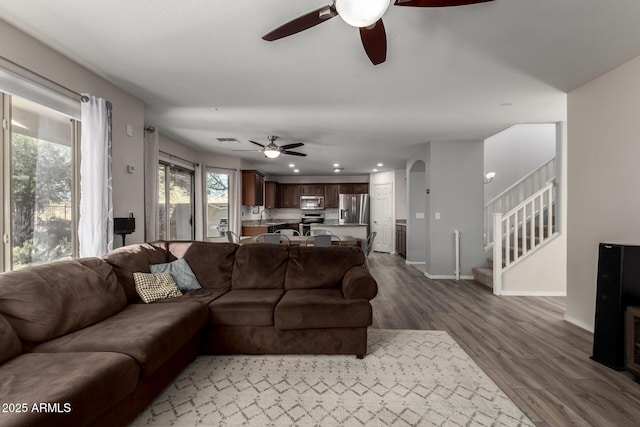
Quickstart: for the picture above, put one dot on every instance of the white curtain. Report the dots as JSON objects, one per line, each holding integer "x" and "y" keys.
{"x": 235, "y": 196}
{"x": 151, "y": 144}
{"x": 200, "y": 198}
{"x": 95, "y": 227}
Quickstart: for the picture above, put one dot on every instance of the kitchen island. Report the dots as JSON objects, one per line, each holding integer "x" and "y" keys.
{"x": 256, "y": 227}
{"x": 359, "y": 231}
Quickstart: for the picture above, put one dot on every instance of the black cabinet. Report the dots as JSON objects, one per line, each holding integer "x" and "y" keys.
{"x": 401, "y": 240}
{"x": 618, "y": 287}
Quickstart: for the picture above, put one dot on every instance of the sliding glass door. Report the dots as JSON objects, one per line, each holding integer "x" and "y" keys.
{"x": 217, "y": 208}
{"x": 175, "y": 202}
{"x": 38, "y": 183}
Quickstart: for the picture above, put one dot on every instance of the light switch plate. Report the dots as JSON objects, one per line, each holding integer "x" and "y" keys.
{"x": 419, "y": 215}
{"x": 437, "y": 215}
{"x": 129, "y": 130}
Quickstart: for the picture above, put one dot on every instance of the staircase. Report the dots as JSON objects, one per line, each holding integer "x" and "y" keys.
{"x": 526, "y": 226}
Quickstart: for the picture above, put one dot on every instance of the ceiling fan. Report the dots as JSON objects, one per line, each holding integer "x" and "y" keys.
{"x": 364, "y": 14}
{"x": 272, "y": 151}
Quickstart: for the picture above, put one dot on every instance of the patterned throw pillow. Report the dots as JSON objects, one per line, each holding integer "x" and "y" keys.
{"x": 181, "y": 273}
{"x": 152, "y": 287}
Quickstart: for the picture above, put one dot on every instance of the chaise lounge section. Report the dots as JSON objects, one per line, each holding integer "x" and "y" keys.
{"x": 77, "y": 342}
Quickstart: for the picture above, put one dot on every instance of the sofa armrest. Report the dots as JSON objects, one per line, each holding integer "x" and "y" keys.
{"x": 358, "y": 283}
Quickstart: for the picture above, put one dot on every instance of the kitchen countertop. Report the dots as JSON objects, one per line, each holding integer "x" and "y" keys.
{"x": 268, "y": 222}
{"x": 336, "y": 224}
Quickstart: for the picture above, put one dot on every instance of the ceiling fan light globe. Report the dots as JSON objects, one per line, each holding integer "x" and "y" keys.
{"x": 361, "y": 13}
{"x": 271, "y": 154}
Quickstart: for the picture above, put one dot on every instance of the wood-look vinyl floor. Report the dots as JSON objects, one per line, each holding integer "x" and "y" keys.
{"x": 540, "y": 361}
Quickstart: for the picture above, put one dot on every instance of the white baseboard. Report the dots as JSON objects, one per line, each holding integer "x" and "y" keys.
{"x": 533, "y": 293}
{"x": 444, "y": 276}
{"x": 578, "y": 323}
{"x": 406, "y": 261}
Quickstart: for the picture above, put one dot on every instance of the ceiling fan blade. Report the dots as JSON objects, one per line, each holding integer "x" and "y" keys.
{"x": 294, "y": 153}
{"x": 437, "y": 3}
{"x": 374, "y": 40}
{"x": 302, "y": 23}
{"x": 257, "y": 151}
{"x": 289, "y": 146}
{"x": 257, "y": 143}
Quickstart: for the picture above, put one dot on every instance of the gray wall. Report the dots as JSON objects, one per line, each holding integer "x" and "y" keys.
{"x": 128, "y": 188}
{"x": 602, "y": 179}
{"x": 457, "y": 194}
{"x": 453, "y": 172}
{"x": 515, "y": 152}
{"x": 416, "y": 232}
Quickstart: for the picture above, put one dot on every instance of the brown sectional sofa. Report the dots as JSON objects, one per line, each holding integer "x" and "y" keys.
{"x": 77, "y": 342}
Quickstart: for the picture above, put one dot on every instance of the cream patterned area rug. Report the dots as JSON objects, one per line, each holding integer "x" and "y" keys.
{"x": 407, "y": 378}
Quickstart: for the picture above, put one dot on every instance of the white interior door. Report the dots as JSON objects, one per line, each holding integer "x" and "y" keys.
{"x": 382, "y": 209}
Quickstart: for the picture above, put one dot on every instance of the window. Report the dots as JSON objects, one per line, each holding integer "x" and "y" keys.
{"x": 217, "y": 209}
{"x": 175, "y": 202}
{"x": 39, "y": 214}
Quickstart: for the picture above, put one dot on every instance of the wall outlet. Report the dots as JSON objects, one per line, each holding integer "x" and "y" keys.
{"x": 129, "y": 130}
{"x": 437, "y": 215}
{"x": 419, "y": 215}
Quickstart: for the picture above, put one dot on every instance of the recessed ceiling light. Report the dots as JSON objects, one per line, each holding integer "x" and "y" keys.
{"x": 380, "y": 165}
{"x": 336, "y": 165}
{"x": 375, "y": 170}
{"x": 296, "y": 170}
{"x": 291, "y": 165}
{"x": 338, "y": 170}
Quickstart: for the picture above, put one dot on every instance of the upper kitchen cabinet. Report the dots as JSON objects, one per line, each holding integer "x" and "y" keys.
{"x": 289, "y": 196}
{"x": 331, "y": 198}
{"x": 355, "y": 188}
{"x": 252, "y": 188}
{"x": 271, "y": 195}
{"x": 311, "y": 190}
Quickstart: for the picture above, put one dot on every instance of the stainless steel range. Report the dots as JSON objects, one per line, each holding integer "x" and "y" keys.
{"x": 309, "y": 218}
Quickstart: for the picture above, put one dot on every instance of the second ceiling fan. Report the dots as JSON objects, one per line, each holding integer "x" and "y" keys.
{"x": 364, "y": 14}
{"x": 271, "y": 150}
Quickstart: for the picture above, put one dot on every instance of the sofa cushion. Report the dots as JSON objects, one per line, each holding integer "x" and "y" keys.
{"x": 152, "y": 287}
{"x": 320, "y": 268}
{"x": 135, "y": 258}
{"x": 47, "y": 301}
{"x": 212, "y": 263}
{"x": 260, "y": 266}
{"x": 245, "y": 307}
{"x": 202, "y": 296}
{"x": 149, "y": 333}
{"x": 320, "y": 308}
{"x": 10, "y": 345}
{"x": 80, "y": 386}
{"x": 181, "y": 273}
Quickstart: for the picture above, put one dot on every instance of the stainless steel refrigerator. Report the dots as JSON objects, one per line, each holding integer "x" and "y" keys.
{"x": 354, "y": 209}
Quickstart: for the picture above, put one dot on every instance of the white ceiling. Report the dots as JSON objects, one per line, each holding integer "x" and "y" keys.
{"x": 459, "y": 73}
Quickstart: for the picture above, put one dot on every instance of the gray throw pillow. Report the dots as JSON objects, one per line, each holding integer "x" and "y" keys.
{"x": 181, "y": 273}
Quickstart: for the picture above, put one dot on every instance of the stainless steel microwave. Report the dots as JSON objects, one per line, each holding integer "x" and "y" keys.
{"x": 311, "y": 202}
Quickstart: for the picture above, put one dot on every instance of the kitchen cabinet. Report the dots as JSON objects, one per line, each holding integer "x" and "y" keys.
{"x": 361, "y": 188}
{"x": 331, "y": 198}
{"x": 289, "y": 196}
{"x": 252, "y": 188}
{"x": 401, "y": 240}
{"x": 271, "y": 195}
{"x": 311, "y": 190}
{"x": 254, "y": 231}
{"x": 355, "y": 188}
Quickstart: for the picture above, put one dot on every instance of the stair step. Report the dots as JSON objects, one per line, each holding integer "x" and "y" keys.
{"x": 483, "y": 276}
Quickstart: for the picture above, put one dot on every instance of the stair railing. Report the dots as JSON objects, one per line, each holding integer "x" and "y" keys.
{"x": 516, "y": 194}
{"x": 521, "y": 230}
